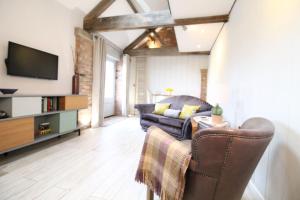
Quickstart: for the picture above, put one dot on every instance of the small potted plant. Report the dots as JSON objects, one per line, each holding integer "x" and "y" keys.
{"x": 216, "y": 116}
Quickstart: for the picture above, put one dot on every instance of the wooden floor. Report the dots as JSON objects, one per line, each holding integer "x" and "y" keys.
{"x": 98, "y": 165}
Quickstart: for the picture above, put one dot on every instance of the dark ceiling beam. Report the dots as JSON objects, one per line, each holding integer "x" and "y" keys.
{"x": 202, "y": 20}
{"x": 170, "y": 51}
{"x": 158, "y": 37}
{"x": 132, "y": 6}
{"x": 145, "y": 34}
{"x": 169, "y": 6}
{"x": 133, "y": 21}
{"x": 91, "y": 17}
{"x": 148, "y": 20}
{"x": 138, "y": 40}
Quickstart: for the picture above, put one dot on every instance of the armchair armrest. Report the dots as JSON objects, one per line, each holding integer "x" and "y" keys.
{"x": 144, "y": 108}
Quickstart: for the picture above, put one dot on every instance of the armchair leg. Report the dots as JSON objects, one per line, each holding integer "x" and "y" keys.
{"x": 150, "y": 195}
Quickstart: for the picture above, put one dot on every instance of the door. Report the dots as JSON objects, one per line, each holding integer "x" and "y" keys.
{"x": 110, "y": 88}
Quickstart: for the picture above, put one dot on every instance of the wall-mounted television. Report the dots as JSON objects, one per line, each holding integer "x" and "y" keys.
{"x": 28, "y": 62}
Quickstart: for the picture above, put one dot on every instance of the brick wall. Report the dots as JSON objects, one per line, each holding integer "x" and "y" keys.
{"x": 84, "y": 49}
{"x": 203, "y": 84}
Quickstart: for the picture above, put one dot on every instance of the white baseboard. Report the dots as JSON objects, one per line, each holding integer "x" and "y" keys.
{"x": 255, "y": 192}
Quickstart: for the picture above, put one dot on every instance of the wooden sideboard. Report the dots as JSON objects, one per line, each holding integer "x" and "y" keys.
{"x": 27, "y": 113}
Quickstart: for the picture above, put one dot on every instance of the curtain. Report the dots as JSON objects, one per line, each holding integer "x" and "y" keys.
{"x": 99, "y": 64}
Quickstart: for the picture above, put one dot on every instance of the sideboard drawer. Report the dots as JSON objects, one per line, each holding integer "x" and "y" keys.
{"x": 17, "y": 132}
{"x": 22, "y": 106}
{"x": 73, "y": 102}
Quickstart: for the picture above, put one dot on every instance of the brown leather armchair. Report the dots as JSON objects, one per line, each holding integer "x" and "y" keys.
{"x": 224, "y": 160}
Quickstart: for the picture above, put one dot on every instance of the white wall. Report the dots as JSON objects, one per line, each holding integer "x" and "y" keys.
{"x": 254, "y": 71}
{"x": 41, "y": 24}
{"x": 182, "y": 73}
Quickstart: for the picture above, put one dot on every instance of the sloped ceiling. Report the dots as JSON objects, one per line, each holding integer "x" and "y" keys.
{"x": 198, "y": 37}
{"x": 120, "y": 7}
{"x": 157, "y": 4}
{"x": 120, "y": 38}
{"x": 199, "y": 8}
{"x": 150, "y": 5}
{"x": 189, "y": 38}
{"x": 83, "y": 5}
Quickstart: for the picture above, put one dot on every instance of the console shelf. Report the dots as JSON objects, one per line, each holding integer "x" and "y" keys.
{"x": 26, "y": 113}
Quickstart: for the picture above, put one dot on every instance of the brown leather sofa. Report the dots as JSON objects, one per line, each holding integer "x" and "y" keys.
{"x": 224, "y": 160}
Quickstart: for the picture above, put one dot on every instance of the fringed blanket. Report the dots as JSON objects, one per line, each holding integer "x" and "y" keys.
{"x": 163, "y": 164}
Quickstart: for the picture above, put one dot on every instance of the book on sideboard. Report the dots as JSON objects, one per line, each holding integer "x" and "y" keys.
{"x": 50, "y": 104}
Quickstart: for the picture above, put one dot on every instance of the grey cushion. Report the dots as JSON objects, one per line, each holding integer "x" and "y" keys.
{"x": 172, "y": 113}
{"x": 172, "y": 122}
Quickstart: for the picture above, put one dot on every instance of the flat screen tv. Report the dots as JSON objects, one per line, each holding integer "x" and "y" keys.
{"x": 29, "y": 62}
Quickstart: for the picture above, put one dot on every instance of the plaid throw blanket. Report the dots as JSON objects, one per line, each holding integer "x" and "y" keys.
{"x": 163, "y": 164}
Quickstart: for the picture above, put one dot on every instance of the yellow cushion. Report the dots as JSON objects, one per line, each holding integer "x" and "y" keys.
{"x": 160, "y": 108}
{"x": 188, "y": 111}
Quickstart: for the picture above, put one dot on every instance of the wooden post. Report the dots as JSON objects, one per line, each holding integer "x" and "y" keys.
{"x": 150, "y": 195}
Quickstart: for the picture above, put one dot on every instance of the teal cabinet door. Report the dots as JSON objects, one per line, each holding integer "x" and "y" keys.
{"x": 68, "y": 121}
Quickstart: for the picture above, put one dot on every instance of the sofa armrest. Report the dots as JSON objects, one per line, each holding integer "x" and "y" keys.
{"x": 144, "y": 108}
{"x": 204, "y": 113}
{"x": 187, "y": 126}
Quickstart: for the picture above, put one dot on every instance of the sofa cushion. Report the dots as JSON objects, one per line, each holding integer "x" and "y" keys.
{"x": 160, "y": 108}
{"x": 172, "y": 113}
{"x": 151, "y": 117}
{"x": 177, "y": 102}
{"x": 187, "y": 111}
{"x": 171, "y": 122}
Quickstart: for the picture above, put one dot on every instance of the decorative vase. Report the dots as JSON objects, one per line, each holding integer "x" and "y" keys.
{"x": 216, "y": 119}
{"x": 75, "y": 84}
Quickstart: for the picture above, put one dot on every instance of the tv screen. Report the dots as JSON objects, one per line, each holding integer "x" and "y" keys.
{"x": 29, "y": 62}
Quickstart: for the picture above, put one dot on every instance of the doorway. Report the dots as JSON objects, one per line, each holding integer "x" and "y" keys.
{"x": 110, "y": 87}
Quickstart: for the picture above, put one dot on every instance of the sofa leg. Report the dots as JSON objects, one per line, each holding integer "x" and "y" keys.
{"x": 150, "y": 195}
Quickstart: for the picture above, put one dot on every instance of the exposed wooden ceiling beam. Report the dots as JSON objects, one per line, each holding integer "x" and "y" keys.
{"x": 171, "y": 51}
{"x": 158, "y": 37}
{"x": 132, "y": 6}
{"x": 135, "y": 10}
{"x": 91, "y": 17}
{"x": 133, "y": 21}
{"x": 149, "y": 20}
{"x": 202, "y": 20}
{"x": 138, "y": 40}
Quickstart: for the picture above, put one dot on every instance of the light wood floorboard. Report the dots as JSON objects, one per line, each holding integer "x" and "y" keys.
{"x": 98, "y": 165}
